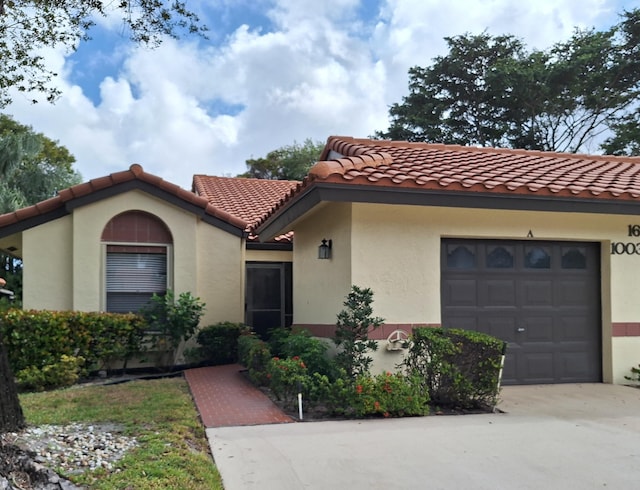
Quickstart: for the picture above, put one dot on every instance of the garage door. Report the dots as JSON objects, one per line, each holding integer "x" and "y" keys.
{"x": 543, "y": 298}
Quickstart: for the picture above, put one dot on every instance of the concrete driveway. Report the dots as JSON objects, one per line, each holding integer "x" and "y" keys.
{"x": 583, "y": 436}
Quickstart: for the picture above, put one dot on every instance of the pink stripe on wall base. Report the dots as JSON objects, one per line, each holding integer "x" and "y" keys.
{"x": 625, "y": 329}
{"x": 381, "y": 333}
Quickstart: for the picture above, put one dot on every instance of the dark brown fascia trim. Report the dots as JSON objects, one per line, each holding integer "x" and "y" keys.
{"x": 282, "y": 220}
{"x": 286, "y": 246}
{"x": 39, "y": 219}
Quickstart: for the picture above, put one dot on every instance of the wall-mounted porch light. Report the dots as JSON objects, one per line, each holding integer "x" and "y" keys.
{"x": 324, "y": 250}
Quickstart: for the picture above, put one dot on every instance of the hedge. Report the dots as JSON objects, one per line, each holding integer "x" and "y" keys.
{"x": 37, "y": 338}
{"x": 459, "y": 368}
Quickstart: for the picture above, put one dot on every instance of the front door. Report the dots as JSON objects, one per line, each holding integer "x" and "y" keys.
{"x": 268, "y": 296}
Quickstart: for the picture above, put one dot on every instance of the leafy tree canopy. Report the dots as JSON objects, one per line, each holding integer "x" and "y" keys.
{"x": 32, "y": 168}
{"x": 493, "y": 91}
{"x": 28, "y": 26}
{"x": 291, "y": 162}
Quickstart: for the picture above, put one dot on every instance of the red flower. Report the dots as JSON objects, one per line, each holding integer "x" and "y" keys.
{"x": 302, "y": 365}
{"x": 359, "y": 389}
{"x": 296, "y": 358}
{"x": 376, "y": 405}
{"x": 386, "y": 414}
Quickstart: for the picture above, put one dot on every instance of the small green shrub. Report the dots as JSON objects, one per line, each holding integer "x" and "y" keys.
{"x": 63, "y": 373}
{"x": 389, "y": 395}
{"x": 286, "y": 378}
{"x": 313, "y": 351}
{"x": 218, "y": 344}
{"x": 635, "y": 371}
{"x": 458, "y": 368}
{"x": 254, "y": 354}
{"x": 171, "y": 320}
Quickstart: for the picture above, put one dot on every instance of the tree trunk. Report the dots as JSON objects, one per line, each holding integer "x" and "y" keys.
{"x": 11, "y": 416}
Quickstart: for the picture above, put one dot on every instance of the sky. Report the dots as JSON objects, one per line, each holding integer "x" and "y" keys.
{"x": 271, "y": 73}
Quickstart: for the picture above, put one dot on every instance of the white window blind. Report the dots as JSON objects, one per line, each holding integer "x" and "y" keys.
{"x": 132, "y": 278}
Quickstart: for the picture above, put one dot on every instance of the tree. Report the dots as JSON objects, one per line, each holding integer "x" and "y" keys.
{"x": 27, "y": 27}
{"x": 290, "y": 162}
{"x": 32, "y": 168}
{"x": 11, "y": 416}
{"x": 491, "y": 91}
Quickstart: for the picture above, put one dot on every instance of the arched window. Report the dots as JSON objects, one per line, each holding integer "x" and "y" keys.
{"x": 138, "y": 248}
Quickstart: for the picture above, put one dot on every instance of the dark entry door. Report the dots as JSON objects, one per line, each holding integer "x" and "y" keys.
{"x": 268, "y": 296}
{"x": 543, "y": 298}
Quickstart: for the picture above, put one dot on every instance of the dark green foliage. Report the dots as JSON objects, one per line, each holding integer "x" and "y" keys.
{"x": 219, "y": 343}
{"x": 290, "y": 162}
{"x": 171, "y": 320}
{"x": 459, "y": 368}
{"x": 254, "y": 354}
{"x": 352, "y": 332}
{"x": 492, "y": 91}
{"x": 285, "y": 343}
{"x": 286, "y": 378}
{"x": 35, "y": 339}
{"x": 635, "y": 371}
{"x": 27, "y": 28}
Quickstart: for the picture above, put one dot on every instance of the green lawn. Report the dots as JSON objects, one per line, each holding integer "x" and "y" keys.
{"x": 173, "y": 452}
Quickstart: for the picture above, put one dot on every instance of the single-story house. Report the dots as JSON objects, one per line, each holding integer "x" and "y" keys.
{"x": 540, "y": 249}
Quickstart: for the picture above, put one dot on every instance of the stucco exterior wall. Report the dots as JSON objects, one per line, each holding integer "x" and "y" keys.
{"x": 48, "y": 272}
{"x": 220, "y": 273}
{"x": 88, "y": 251}
{"x": 395, "y": 250}
{"x": 319, "y": 286}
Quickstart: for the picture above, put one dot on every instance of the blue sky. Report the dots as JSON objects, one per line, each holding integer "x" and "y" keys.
{"x": 272, "y": 72}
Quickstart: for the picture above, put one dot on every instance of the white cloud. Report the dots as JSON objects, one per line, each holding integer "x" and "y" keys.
{"x": 317, "y": 71}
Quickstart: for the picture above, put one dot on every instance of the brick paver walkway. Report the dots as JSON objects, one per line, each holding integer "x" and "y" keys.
{"x": 225, "y": 398}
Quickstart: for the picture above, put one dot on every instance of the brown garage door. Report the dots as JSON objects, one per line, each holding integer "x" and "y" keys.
{"x": 543, "y": 298}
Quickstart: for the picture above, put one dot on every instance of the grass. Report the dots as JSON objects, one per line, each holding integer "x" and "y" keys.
{"x": 173, "y": 452}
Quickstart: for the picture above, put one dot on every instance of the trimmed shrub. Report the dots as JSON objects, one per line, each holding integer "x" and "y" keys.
{"x": 286, "y": 378}
{"x": 35, "y": 339}
{"x": 300, "y": 343}
{"x": 254, "y": 354}
{"x": 218, "y": 344}
{"x": 63, "y": 373}
{"x": 389, "y": 395}
{"x": 458, "y": 368}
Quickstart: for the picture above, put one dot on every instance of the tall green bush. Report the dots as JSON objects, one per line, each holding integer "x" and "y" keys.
{"x": 352, "y": 332}
{"x": 459, "y": 368}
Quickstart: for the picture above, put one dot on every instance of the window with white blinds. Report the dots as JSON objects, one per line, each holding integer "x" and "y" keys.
{"x": 133, "y": 277}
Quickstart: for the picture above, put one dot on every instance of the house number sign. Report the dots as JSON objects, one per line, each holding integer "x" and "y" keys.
{"x": 627, "y": 248}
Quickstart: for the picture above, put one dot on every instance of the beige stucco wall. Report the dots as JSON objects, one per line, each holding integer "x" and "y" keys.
{"x": 395, "y": 250}
{"x": 319, "y": 286}
{"x": 64, "y": 258}
{"x": 48, "y": 271}
{"x": 220, "y": 274}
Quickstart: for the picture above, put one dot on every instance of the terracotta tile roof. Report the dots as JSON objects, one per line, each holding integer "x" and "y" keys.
{"x": 247, "y": 199}
{"x": 493, "y": 171}
{"x": 135, "y": 173}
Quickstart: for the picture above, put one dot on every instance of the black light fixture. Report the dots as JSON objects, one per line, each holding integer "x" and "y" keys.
{"x": 324, "y": 250}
